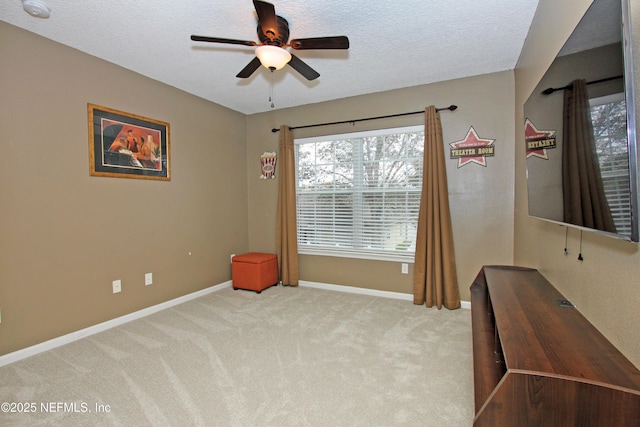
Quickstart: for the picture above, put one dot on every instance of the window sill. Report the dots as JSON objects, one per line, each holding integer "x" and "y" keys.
{"x": 409, "y": 257}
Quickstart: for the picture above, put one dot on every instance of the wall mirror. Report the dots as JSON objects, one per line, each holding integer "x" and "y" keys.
{"x": 580, "y": 128}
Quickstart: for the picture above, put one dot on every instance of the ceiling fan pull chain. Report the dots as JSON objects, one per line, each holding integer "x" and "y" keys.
{"x": 271, "y": 88}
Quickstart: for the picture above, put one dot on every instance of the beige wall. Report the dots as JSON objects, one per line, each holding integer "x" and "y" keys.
{"x": 481, "y": 198}
{"x": 606, "y": 285}
{"x": 64, "y": 236}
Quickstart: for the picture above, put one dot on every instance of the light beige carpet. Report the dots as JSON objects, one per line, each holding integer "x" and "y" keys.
{"x": 287, "y": 357}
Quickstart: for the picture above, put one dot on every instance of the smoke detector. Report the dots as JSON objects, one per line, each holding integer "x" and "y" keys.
{"x": 36, "y": 8}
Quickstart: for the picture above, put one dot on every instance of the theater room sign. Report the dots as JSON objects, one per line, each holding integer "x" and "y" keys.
{"x": 472, "y": 149}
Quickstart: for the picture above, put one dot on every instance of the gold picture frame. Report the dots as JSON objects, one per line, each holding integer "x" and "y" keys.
{"x": 124, "y": 145}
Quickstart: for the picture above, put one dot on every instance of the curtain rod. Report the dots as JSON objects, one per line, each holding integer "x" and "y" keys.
{"x": 450, "y": 108}
{"x": 550, "y": 90}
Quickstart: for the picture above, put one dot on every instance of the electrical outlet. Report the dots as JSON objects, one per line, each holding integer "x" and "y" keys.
{"x": 117, "y": 286}
{"x": 405, "y": 268}
{"x": 148, "y": 279}
{"x": 231, "y": 258}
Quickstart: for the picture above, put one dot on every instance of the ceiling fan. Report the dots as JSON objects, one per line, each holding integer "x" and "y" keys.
{"x": 273, "y": 33}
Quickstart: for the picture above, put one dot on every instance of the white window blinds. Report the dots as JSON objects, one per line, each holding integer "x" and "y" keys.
{"x": 358, "y": 194}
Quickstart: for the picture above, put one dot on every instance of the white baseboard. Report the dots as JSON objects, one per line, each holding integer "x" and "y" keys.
{"x": 91, "y": 330}
{"x": 100, "y": 327}
{"x": 365, "y": 291}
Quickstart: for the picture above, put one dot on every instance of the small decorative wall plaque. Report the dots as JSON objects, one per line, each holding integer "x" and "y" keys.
{"x": 268, "y": 165}
{"x": 472, "y": 149}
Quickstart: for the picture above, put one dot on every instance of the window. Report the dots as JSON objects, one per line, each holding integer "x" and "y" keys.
{"x": 358, "y": 194}
{"x": 609, "y": 118}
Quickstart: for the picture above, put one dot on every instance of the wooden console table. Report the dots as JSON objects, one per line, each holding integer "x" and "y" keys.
{"x": 538, "y": 362}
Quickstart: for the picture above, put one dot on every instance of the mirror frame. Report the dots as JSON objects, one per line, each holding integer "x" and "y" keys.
{"x": 630, "y": 76}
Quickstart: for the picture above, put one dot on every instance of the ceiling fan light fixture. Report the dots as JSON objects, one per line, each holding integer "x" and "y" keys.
{"x": 273, "y": 57}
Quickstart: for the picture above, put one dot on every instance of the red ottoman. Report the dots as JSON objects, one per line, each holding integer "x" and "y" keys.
{"x": 254, "y": 271}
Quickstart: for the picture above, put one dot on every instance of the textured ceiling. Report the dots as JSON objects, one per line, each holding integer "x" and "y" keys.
{"x": 393, "y": 44}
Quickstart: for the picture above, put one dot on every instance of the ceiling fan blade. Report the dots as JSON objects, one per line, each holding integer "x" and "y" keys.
{"x": 221, "y": 40}
{"x": 267, "y": 20}
{"x": 301, "y": 67}
{"x": 338, "y": 42}
{"x": 249, "y": 69}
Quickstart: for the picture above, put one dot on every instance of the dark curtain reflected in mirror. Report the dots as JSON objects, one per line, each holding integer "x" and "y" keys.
{"x": 585, "y": 201}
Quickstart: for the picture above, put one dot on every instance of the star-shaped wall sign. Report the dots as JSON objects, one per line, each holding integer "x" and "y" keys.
{"x": 538, "y": 141}
{"x": 472, "y": 149}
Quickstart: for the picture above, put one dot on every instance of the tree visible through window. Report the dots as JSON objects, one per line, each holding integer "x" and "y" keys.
{"x": 358, "y": 194}
{"x": 609, "y": 118}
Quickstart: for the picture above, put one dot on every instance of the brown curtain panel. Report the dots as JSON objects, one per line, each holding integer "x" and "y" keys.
{"x": 286, "y": 224}
{"x": 435, "y": 281}
{"x": 585, "y": 202}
